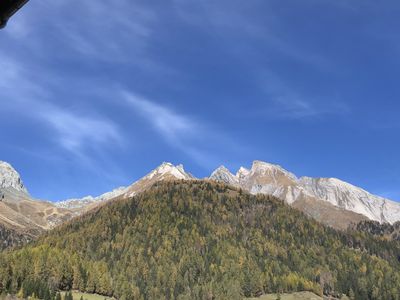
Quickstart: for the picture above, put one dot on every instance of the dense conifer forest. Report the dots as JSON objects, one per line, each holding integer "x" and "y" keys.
{"x": 385, "y": 230}
{"x": 201, "y": 240}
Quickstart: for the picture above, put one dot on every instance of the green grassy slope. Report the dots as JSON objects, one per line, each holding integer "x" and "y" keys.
{"x": 291, "y": 296}
{"x": 85, "y": 296}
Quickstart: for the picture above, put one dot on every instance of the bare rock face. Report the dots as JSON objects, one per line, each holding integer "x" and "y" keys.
{"x": 222, "y": 174}
{"x": 352, "y": 198}
{"x": 10, "y": 179}
{"x": 318, "y": 197}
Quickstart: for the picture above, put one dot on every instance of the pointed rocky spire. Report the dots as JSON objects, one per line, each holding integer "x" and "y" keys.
{"x": 222, "y": 174}
{"x": 242, "y": 173}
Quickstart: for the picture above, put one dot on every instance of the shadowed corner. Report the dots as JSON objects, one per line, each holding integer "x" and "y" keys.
{"x": 8, "y": 8}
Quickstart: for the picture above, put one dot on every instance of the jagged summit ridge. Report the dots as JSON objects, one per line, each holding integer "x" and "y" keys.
{"x": 267, "y": 178}
{"x": 9, "y": 178}
{"x": 258, "y": 168}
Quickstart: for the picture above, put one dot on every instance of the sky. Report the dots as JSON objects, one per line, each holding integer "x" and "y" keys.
{"x": 95, "y": 94}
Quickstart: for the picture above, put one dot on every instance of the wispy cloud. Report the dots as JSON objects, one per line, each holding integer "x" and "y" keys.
{"x": 198, "y": 140}
{"x": 283, "y": 102}
{"x": 260, "y": 36}
{"x": 97, "y": 30}
{"x": 170, "y": 124}
{"x": 120, "y": 37}
{"x": 16, "y": 81}
{"x": 75, "y": 131}
{"x": 252, "y": 37}
{"x": 290, "y": 106}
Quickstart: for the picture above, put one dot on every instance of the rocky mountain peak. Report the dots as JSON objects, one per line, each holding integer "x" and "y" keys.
{"x": 9, "y": 178}
{"x": 264, "y": 168}
{"x": 222, "y": 174}
{"x": 168, "y": 169}
{"x": 242, "y": 173}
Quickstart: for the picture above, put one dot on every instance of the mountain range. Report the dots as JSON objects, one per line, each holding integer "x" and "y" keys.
{"x": 170, "y": 235}
{"x": 328, "y": 200}
{"x": 22, "y": 217}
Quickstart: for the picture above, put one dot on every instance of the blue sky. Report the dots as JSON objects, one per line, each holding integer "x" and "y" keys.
{"x": 93, "y": 96}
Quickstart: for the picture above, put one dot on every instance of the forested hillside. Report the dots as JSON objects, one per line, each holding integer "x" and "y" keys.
{"x": 203, "y": 240}
{"x": 385, "y": 230}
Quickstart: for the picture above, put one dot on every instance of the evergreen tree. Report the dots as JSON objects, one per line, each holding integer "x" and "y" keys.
{"x": 351, "y": 294}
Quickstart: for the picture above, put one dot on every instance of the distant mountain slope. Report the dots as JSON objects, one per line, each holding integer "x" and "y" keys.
{"x": 327, "y": 213}
{"x": 204, "y": 240}
{"x": 166, "y": 171}
{"x": 79, "y": 205}
{"x": 310, "y": 193}
{"x": 16, "y": 208}
{"x": 22, "y": 214}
